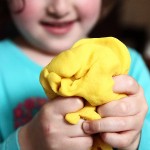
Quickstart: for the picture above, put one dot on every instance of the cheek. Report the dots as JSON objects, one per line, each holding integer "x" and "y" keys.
{"x": 89, "y": 9}
{"x": 15, "y": 5}
{"x": 29, "y": 12}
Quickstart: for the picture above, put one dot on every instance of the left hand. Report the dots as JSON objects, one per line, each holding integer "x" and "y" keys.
{"x": 122, "y": 119}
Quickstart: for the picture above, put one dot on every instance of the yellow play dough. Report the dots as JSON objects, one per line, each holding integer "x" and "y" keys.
{"x": 87, "y": 70}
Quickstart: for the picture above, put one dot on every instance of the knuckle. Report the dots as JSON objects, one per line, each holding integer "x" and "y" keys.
{"x": 145, "y": 108}
{"x": 75, "y": 102}
{"x": 131, "y": 82}
{"x": 78, "y": 101}
{"x": 50, "y": 131}
{"x": 46, "y": 127}
{"x": 145, "y": 105}
{"x": 45, "y": 110}
{"x": 124, "y": 107}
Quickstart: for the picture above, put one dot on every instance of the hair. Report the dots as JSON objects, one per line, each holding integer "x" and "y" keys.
{"x": 8, "y": 29}
{"x": 110, "y": 25}
{"x": 107, "y": 6}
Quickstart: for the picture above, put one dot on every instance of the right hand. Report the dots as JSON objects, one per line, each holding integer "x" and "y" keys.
{"x": 49, "y": 131}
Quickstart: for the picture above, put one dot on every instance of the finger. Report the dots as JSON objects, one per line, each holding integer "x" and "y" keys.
{"x": 121, "y": 140}
{"x": 79, "y": 143}
{"x": 111, "y": 124}
{"x": 125, "y": 84}
{"x": 66, "y": 105}
{"x": 127, "y": 106}
{"x": 65, "y": 143}
{"x": 51, "y": 115}
{"x": 74, "y": 130}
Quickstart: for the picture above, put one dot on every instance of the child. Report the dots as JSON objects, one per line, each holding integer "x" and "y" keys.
{"x": 46, "y": 28}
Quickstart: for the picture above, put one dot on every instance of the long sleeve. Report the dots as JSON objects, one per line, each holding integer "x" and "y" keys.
{"x": 11, "y": 143}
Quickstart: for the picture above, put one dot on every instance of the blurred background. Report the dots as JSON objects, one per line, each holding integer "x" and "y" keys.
{"x": 129, "y": 21}
{"x": 136, "y": 16}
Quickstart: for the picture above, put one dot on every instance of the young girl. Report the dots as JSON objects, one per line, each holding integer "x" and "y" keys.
{"x": 45, "y": 28}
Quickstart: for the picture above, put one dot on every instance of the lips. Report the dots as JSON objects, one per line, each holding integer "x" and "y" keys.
{"x": 58, "y": 28}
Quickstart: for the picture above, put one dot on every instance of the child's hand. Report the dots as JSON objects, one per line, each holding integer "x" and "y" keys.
{"x": 123, "y": 119}
{"x": 49, "y": 131}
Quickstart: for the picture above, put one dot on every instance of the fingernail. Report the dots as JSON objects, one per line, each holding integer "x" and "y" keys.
{"x": 86, "y": 127}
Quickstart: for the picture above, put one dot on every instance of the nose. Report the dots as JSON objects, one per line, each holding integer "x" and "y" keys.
{"x": 58, "y": 8}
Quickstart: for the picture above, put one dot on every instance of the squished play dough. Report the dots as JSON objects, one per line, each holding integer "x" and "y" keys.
{"x": 87, "y": 70}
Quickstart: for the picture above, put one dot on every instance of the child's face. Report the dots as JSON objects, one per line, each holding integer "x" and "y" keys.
{"x": 54, "y": 25}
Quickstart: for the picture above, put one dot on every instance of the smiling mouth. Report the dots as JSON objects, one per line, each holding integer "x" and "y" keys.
{"x": 58, "y": 28}
{"x": 63, "y": 24}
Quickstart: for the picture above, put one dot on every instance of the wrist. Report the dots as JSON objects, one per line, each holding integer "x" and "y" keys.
{"x": 24, "y": 139}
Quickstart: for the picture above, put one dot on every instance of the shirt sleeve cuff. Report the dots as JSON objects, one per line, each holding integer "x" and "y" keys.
{"x": 11, "y": 143}
{"x": 145, "y": 136}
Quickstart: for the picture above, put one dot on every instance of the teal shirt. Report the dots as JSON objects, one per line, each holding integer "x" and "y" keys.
{"x": 19, "y": 81}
